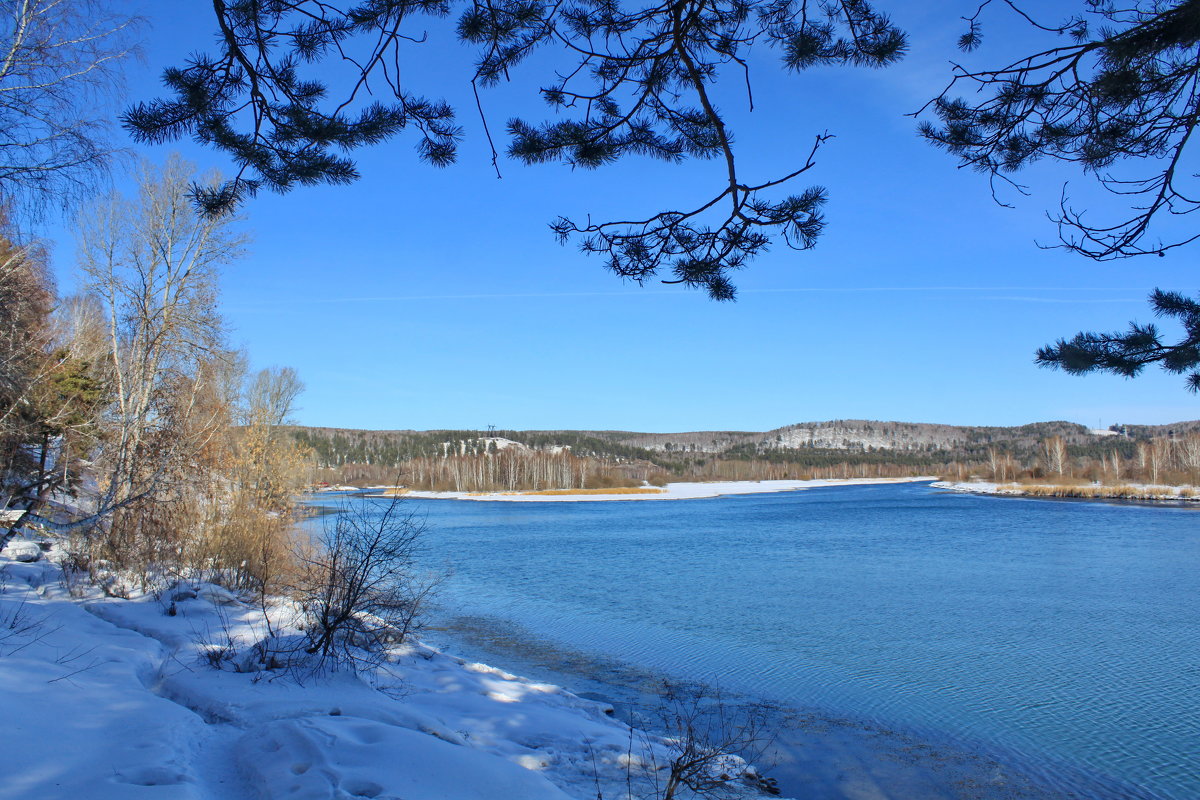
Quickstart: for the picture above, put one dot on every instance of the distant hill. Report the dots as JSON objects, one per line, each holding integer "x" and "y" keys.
{"x": 805, "y": 442}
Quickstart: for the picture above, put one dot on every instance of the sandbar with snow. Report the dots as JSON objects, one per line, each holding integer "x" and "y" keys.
{"x": 672, "y": 491}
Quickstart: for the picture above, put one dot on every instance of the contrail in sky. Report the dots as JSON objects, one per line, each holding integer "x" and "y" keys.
{"x": 681, "y": 293}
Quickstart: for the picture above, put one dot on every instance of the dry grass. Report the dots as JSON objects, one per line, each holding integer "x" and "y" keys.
{"x": 1055, "y": 481}
{"x": 1118, "y": 492}
{"x": 393, "y": 492}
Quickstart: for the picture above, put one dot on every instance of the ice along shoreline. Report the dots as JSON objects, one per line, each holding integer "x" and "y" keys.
{"x": 672, "y": 491}
{"x": 816, "y": 752}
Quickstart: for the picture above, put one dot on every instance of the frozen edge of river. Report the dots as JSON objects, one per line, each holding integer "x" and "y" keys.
{"x": 672, "y": 491}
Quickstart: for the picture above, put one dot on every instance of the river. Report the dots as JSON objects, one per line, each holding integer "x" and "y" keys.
{"x": 925, "y": 644}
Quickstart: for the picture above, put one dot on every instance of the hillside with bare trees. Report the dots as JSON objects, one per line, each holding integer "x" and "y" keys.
{"x": 465, "y": 460}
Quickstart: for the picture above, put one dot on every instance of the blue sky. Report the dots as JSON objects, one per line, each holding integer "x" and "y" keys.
{"x": 423, "y": 298}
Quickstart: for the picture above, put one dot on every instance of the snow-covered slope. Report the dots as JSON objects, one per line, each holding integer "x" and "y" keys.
{"x": 116, "y": 699}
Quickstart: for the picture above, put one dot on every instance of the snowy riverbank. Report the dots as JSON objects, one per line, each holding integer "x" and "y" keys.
{"x": 672, "y": 491}
{"x": 110, "y": 699}
{"x": 1125, "y": 491}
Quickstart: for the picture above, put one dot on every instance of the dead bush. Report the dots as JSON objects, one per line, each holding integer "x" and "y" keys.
{"x": 358, "y": 589}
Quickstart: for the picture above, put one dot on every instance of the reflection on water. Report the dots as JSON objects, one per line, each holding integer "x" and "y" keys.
{"x": 1056, "y": 639}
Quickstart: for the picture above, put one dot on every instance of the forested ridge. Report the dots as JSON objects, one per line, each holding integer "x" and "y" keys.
{"x": 901, "y": 442}
{"x": 506, "y": 459}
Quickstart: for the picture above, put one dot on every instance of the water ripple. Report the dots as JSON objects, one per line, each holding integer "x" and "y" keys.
{"x": 1060, "y": 634}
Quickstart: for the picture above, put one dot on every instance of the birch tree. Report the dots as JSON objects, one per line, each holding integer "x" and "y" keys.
{"x": 50, "y": 390}
{"x": 1159, "y": 456}
{"x": 59, "y": 74}
{"x": 153, "y": 264}
{"x": 1189, "y": 453}
{"x": 1054, "y": 453}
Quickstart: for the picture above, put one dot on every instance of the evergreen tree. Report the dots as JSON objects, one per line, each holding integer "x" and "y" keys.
{"x": 634, "y": 80}
{"x": 26, "y": 297}
{"x": 1122, "y": 94}
{"x": 1128, "y": 353}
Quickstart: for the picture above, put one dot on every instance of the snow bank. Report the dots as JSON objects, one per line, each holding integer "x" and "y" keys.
{"x": 111, "y": 699}
{"x": 81, "y": 717}
{"x": 975, "y": 487}
{"x": 316, "y": 758}
{"x": 21, "y": 550}
{"x": 672, "y": 491}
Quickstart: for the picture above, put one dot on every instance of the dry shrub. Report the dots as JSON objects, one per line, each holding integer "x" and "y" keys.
{"x": 357, "y": 584}
{"x": 247, "y": 547}
{"x": 713, "y": 743}
{"x": 1065, "y": 481}
{"x": 145, "y": 539}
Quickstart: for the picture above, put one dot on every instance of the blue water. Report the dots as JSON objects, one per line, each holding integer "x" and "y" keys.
{"x": 1063, "y": 633}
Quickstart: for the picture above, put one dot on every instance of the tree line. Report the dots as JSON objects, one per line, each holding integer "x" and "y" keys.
{"x": 518, "y": 470}
{"x": 426, "y": 460}
{"x": 1170, "y": 460}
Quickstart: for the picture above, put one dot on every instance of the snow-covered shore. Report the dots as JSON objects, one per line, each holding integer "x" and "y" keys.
{"x": 153, "y": 696}
{"x": 1125, "y": 491}
{"x": 672, "y": 491}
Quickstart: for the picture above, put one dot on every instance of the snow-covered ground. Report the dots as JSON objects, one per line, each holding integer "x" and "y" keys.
{"x": 672, "y": 491}
{"x": 978, "y": 487}
{"x": 111, "y": 699}
{"x": 1124, "y": 491}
